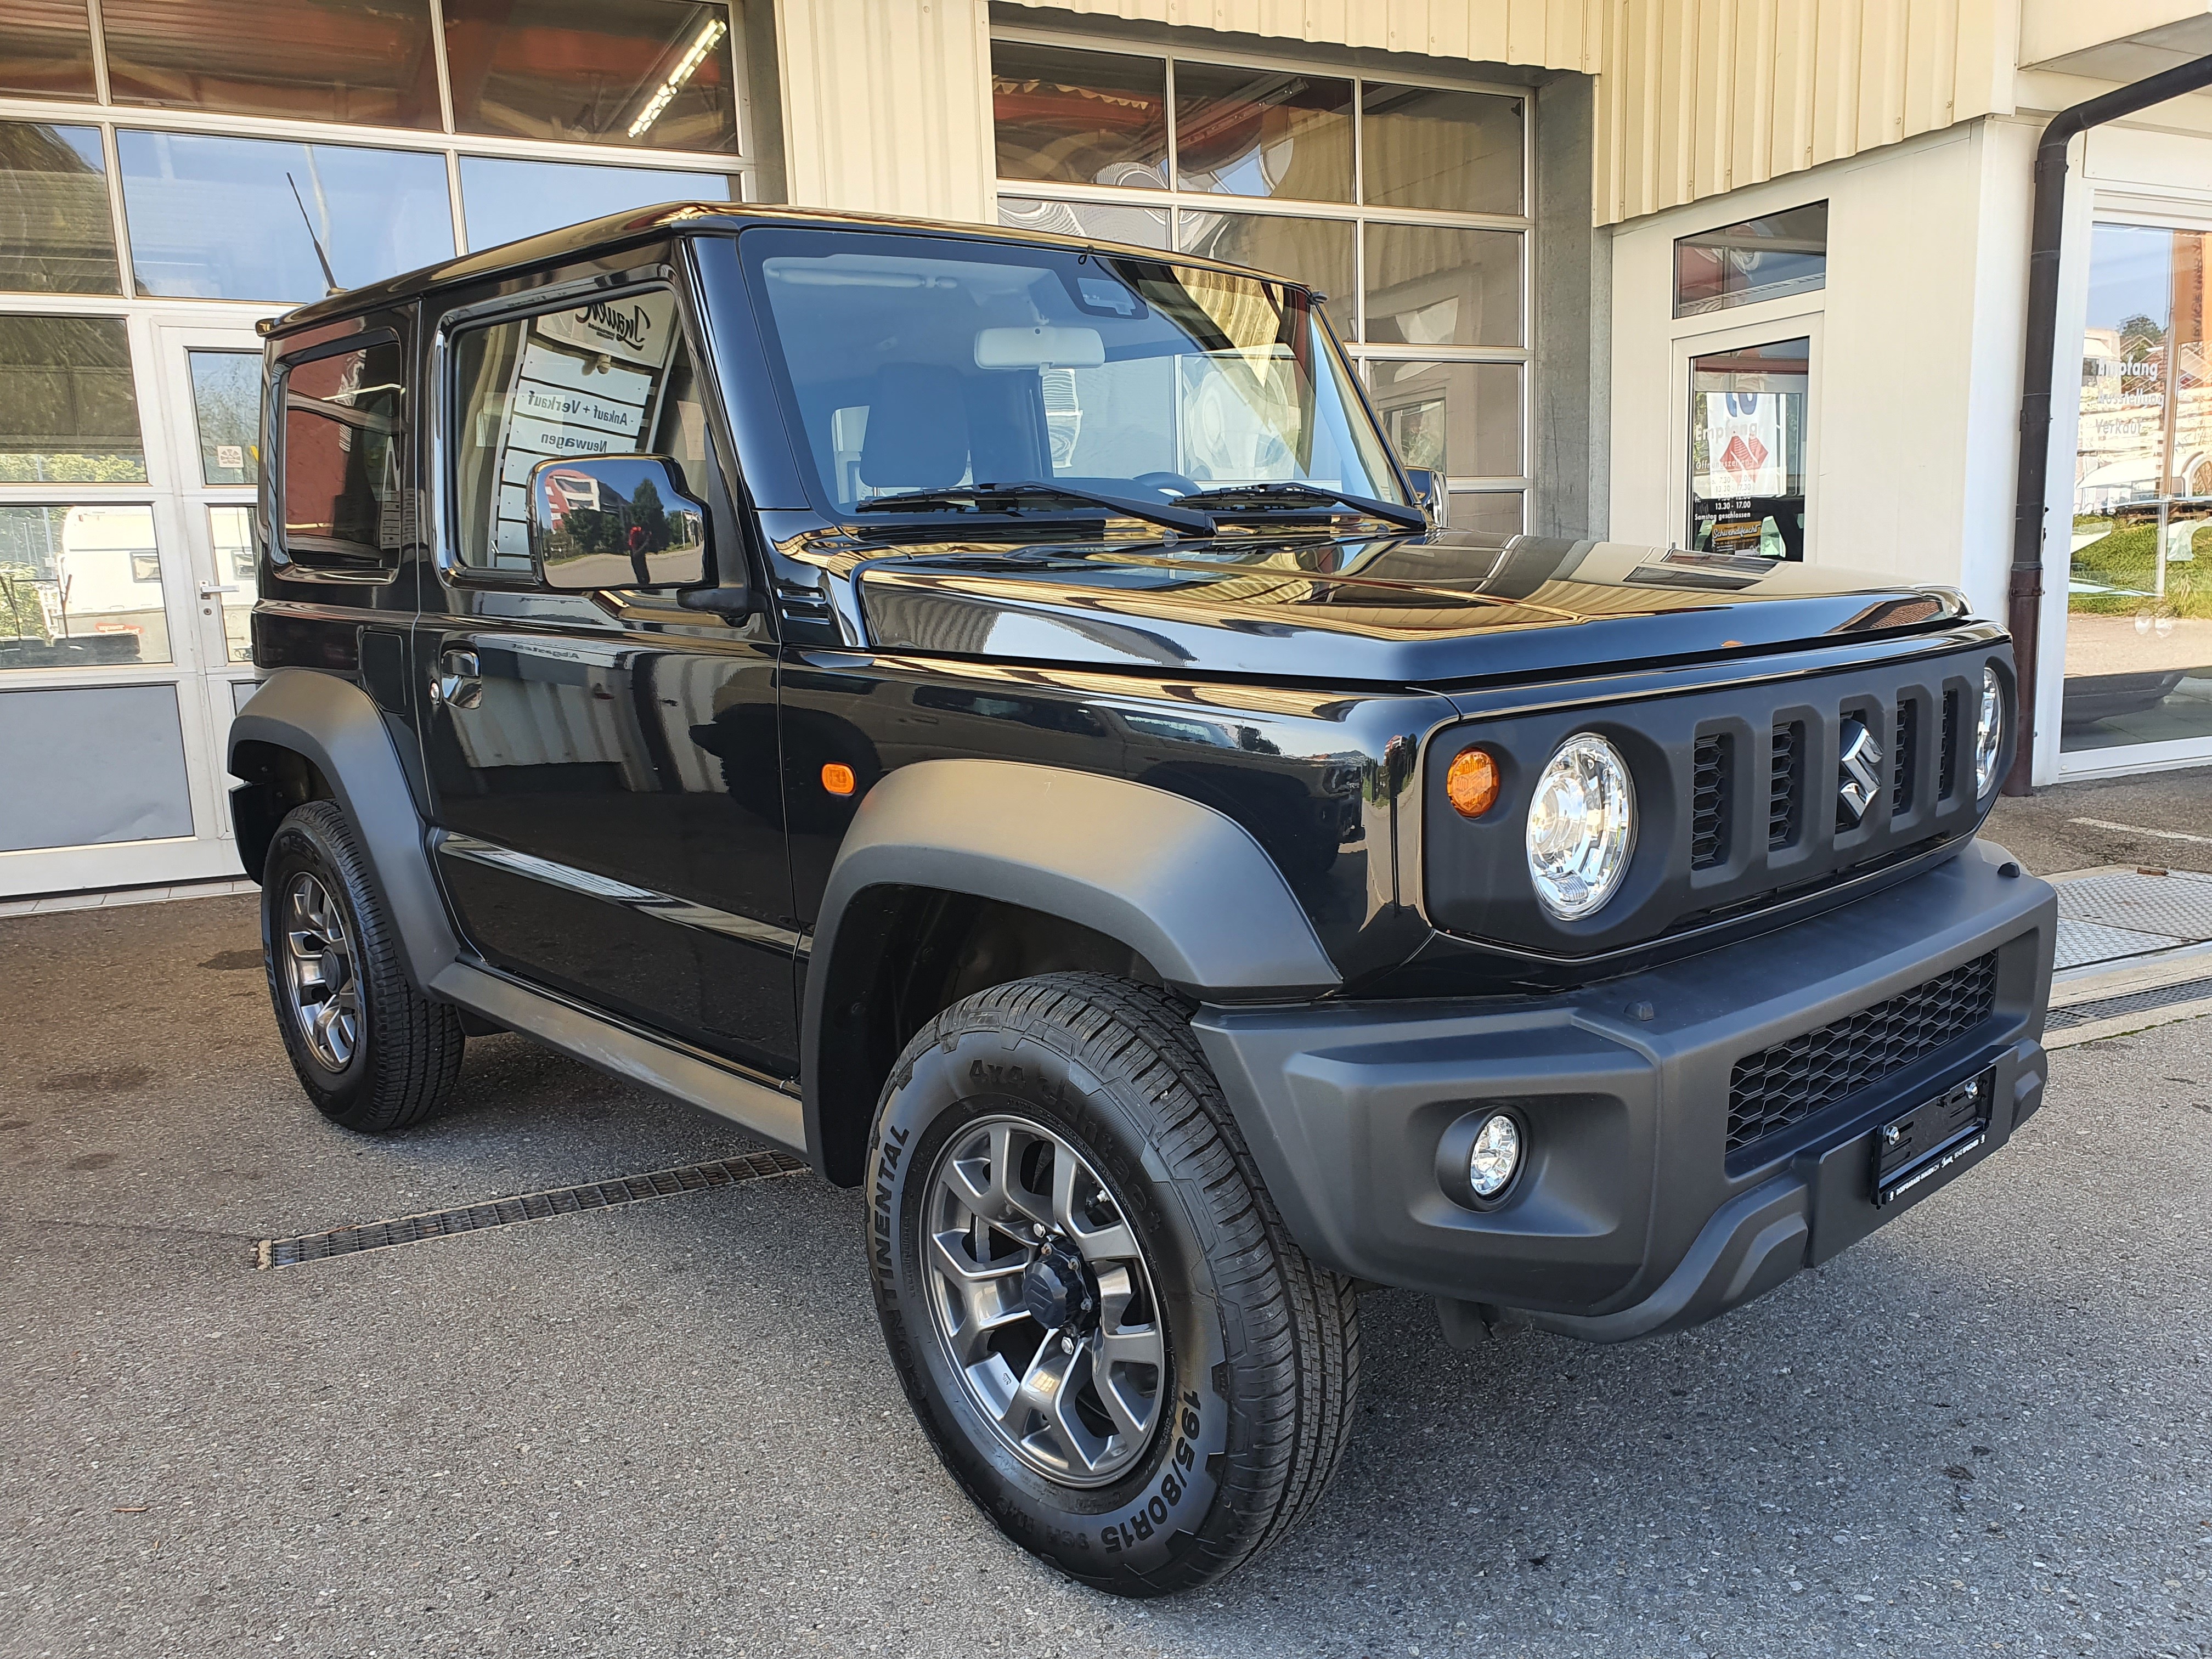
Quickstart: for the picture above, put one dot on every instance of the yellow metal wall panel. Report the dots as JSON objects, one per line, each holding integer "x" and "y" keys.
{"x": 887, "y": 104}
{"x": 1539, "y": 33}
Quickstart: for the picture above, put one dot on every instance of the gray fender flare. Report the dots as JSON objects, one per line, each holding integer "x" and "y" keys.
{"x": 1185, "y": 886}
{"x": 334, "y": 724}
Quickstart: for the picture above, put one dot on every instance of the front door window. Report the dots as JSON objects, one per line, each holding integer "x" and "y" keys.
{"x": 2139, "y": 585}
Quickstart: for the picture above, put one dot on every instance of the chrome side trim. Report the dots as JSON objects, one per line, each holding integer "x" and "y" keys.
{"x": 663, "y": 907}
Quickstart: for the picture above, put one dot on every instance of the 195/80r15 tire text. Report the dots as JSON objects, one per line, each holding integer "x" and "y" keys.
{"x": 1090, "y": 1300}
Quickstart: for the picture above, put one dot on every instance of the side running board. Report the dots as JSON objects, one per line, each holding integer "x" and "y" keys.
{"x": 603, "y": 1043}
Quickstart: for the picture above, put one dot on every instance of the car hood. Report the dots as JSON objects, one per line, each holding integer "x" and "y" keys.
{"x": 1430, "y": 608}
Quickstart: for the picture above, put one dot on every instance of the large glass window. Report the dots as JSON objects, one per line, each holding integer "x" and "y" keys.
{"x": 1405, "y": 204}
{"x": 71, "y": 410}
{"x": 505, "y": 201}
{"x": 56, "y": 234}
{"x": 261, "y": 219}
{"x": 344, "y": 497}
{"x": 1747, "y": 449}
{"x": 1431, "y": 147}
{"x": 2139, "y": 589}
{"x": 655, "y": 74}
{"x": 370, "y": 62}
{"x": 1080, "y": 117}
{"x": 80, "y": 586}
{"x": 913, "y": 369}
{"x": 46, "y": 49}
{"x": 1262, "y": 132}
{"x": 610, "y": 379}
{"x": 1751, "y": 260}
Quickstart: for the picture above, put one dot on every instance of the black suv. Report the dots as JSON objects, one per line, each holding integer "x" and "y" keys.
{"x": 989, "y": 713}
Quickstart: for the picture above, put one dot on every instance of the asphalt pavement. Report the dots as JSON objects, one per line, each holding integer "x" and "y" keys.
{"x": 670, "y": 1428}
{"x": 2163, "y": 818}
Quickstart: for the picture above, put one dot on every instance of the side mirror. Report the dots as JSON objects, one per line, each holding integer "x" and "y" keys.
{"x": 599, "y": 521}
{"x": 1428, "y": 492}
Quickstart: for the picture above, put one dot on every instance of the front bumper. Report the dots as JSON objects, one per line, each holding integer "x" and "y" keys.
{"x": 1631, "y": 1216}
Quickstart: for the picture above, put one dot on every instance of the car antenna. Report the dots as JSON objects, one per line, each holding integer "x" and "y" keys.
{"x": 330, "y": 277}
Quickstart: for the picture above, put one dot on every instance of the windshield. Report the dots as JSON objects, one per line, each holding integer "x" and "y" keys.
{"x": 915, "y": 363}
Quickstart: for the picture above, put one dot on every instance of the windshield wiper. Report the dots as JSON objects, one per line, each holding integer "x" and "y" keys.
{"x": 1016, "y": 497}
{"x": 1301, "y": 494}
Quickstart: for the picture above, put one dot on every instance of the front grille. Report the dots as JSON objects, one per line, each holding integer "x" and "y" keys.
{"x": 1782, "y": 784}
{"x": 1904, "y": 751}
{"x": 1778, "y": 1086}
{"x": 1709, "y": 794}
{"x": 1946, "y": 777}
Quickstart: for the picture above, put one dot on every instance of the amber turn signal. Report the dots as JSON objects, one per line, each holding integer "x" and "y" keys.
{"x": 1471, "y": 782}
{"x": 837, "y": 778}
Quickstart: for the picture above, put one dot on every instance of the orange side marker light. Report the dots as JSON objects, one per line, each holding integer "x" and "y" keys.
{"x": 837, "y": 778}
{"x": 1471, "y": 784}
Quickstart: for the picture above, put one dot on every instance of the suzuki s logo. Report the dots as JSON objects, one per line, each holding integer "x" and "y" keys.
{"x": 1858, "y": 773}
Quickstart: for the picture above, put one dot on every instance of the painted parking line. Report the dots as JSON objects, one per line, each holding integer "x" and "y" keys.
{"x": 2138, "y": 830}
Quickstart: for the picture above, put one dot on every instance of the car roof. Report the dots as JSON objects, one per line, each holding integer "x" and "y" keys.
{"x": 687, "y": 218}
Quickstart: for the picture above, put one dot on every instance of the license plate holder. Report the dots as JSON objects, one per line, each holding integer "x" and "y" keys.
{"x": 1930, "y": 1141}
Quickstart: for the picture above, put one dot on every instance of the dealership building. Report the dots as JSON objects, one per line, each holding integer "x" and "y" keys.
{"x": 1744, "y": 276}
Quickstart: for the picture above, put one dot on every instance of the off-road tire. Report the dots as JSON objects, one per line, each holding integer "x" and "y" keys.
{"x": 404, "y": 1053}
{"x": 1262, "y": 1346}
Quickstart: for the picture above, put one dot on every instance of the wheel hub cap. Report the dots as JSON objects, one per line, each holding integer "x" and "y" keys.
{"x": 1044, "y": 1301}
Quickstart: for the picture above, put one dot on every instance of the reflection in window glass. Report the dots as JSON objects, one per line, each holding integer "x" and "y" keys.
{"x": 230, "y": 533}
{"x": 80, "y": 586}
{"x": 1747, "y": 450}
{"x": 1082, "y": 118}
{"x": 70, "y": 411}
{"x": 53, "y": 203}
{"x": 654, "y": 74}
{"x": 1144, "y": 226}
{"x": 1751, "y": 260}
{"x": 1461, "y": 419}
{"x": 506, "y": 201}
{"x": 1426, "y": 147}
{"x": 343, "y": 502}
{"x": 1492, "y": 512}
{"x": 227, "y": 406}
{"x": 2139, "y": 592}
{"x": 1262, "y": 132}
{"x": 607, "y": 380}
{"x": 218, "y": 218}
{"x": 46, "y": 51}
{"x": 371, "y": 61}
{"x": 1431, "y": 285}
{"x": 1315, "y": 252}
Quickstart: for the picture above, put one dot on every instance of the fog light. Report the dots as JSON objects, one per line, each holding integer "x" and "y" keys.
{"x": 1495, "y": 1156}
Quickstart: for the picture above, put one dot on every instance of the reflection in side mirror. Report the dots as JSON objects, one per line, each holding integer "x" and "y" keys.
{"x": 599, "y": 521}
{"x": 1428, "y": 492}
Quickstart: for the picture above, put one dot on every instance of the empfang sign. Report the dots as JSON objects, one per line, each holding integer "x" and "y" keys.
{"x": 633, "y": 329}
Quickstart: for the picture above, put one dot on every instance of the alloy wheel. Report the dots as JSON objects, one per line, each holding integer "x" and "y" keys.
{"x": 1044, "y": 1301}
{"x": 321, "y": 979}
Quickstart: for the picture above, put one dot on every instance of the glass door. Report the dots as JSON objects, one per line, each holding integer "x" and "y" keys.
{"x": 213, "y": 389}
{"x": 2138, "y": 687}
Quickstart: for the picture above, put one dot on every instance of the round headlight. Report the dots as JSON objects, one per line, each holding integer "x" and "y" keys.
{"x": 1495, "y": 1156}
{"x": 1582, "y": 826}
{"x": 1989, "y": 733}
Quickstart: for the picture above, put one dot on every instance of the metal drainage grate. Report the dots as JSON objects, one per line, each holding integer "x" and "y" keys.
{"x": 529, "y": 1206}
{"x": 2134, "y": 1002}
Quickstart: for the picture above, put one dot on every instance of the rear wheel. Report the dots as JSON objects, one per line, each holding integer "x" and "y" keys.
{"x": 372, "y": 1052}
{"x": 1087, "y": 1292}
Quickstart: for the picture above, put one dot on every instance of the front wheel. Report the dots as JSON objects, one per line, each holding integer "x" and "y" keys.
{"x": 1088, "y": 1295}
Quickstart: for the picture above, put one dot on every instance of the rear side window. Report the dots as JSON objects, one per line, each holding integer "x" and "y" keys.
{"x": 344, "y": 501}
{"x": 611, "y": 378}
